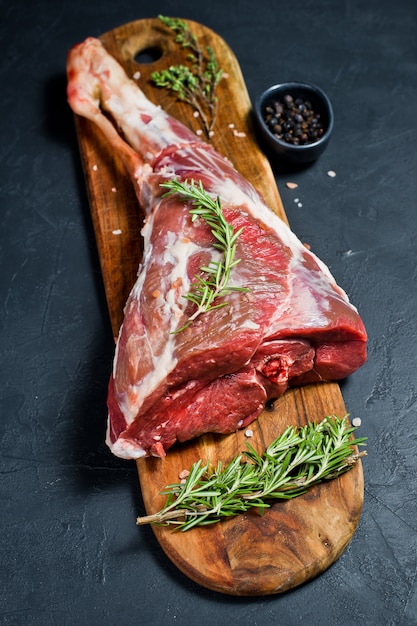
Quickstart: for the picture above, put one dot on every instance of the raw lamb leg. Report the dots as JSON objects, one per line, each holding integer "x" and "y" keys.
{"x": 294, "y": 325}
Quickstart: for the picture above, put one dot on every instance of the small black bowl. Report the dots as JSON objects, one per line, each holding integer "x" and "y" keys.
{"x": 320, "y": 104}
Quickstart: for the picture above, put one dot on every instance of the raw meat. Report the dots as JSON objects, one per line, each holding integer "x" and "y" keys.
{"x": 294, "y": 326}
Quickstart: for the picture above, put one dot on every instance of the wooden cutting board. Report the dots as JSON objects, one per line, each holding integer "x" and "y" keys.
{"x": 296, "y": 540}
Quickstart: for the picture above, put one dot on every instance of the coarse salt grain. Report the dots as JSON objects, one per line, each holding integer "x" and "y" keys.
{"x": 331, "y": 173}
{"x": 299, "y": 204}
{"x": 231, "y": 125}
{"x": 291, "y": 185}
{"x": 199, "y": 132}
{"x": 238, "y": 133}
{"x": 183, "y": 474}
{"x": 117, "y": 231}
{"x": 196, "y": 114}
{"x": 248, "y": 433}
{"x": 356, "y": 421}
{"x": 211, "y": 133}
{"x": 114, "y": 189}
{"x": 136, "y": 75}
{"x": 95, "y": 168}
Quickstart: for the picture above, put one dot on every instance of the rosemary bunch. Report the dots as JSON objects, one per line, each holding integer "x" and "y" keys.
{"x": 297, "y": 460}
{"x": 215, "y": 277}
{"x": 195, "y": 85}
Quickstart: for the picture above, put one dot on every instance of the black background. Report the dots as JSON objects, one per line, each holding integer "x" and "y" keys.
{"x": 70, "y": 550}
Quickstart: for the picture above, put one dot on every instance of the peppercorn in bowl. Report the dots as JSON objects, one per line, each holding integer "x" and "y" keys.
{"x": 295, "y": 121}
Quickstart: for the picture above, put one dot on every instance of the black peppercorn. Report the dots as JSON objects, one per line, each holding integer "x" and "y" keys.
{"x": 293, "y": 121}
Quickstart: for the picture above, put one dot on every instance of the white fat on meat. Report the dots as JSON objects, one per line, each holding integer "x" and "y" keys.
{"x": 302, "y": 303}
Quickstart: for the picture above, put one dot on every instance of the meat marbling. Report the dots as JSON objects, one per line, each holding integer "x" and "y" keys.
{"x": 294, "y": 326}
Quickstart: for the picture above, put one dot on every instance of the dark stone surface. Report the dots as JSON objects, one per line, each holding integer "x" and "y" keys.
{"x": 70, "y": 550}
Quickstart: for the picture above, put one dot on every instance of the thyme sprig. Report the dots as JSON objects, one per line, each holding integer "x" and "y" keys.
{"x": 195, "y": 84}
{"x": 213, "y": 282}
{"x": 294, "y": 462}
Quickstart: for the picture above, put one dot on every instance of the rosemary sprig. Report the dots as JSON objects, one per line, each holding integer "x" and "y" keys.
{"x": 296, "y": 461}
{"x": 195, "y": 85}
{"x": 214, "y": 280}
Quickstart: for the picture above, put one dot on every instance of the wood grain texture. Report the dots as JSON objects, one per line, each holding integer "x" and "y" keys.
{"x": 293, "y": 541}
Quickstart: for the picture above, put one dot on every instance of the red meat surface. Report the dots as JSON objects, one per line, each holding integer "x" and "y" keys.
{"x": 293, "y": 326}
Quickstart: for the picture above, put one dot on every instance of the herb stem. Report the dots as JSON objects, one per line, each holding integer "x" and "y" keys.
{"x": 296, "y": 461}
{"x": 195, "y": 85}
{"x": 214, "y": 280}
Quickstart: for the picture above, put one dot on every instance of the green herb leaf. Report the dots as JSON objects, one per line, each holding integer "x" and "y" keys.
{"x": 216, "y": 275}
{"x": 195, "y": 85}
{"x": 294, "y": 462}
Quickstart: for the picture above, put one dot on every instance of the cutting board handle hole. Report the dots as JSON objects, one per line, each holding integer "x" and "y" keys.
{"x": 147, "y": 55}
